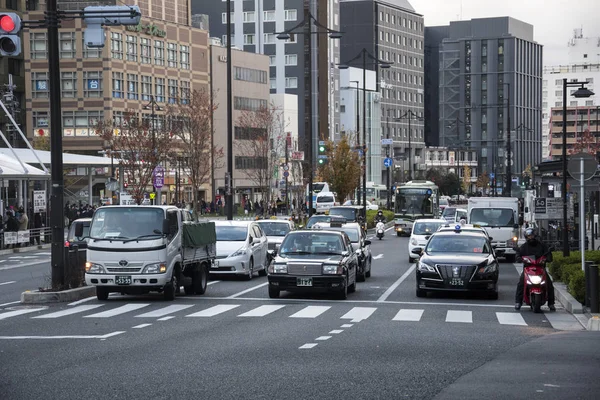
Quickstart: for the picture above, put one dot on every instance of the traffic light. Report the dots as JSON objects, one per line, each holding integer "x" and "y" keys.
{"x": 322, "y": 158}
{"x": 10, "y": 42}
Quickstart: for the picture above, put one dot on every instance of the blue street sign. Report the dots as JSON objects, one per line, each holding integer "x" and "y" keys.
{"x": 286, "y": 174}
{"x": 492, "y": 175}
{"x": 387, "y": 162}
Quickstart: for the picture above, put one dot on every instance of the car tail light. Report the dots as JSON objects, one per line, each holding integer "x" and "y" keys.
{"x": 67, "y": 244}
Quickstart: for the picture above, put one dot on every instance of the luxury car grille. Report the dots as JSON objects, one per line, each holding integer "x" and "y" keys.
{"x": 464, "y": 271}
{"x": 304, "y": 269}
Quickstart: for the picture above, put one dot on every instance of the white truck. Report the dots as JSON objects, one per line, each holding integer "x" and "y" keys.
{"x": 499, "y": 216}
{"x": 142, "y": 249}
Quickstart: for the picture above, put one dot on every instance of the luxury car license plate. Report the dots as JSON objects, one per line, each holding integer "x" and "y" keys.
{"x": 456, "y": 282}
{"x": 123, "y": 280}
{"x": 304, "y": 281}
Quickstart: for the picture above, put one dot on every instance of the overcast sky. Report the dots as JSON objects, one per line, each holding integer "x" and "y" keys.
{"x": 553, "y": 20}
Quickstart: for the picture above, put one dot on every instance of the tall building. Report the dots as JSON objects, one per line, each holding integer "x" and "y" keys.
{"x": 579, "y": 120}
{"x": 434, "y": 35}
{"x": 490, "y": 70}
{"x": 583, "y": 65}
{"x": 254, "y": 28}
{"x": 392, "y": 31}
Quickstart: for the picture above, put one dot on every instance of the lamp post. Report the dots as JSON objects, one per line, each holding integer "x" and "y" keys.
{"x": 357, "y": 129}
{"x": 229, "y": 173}
{"x": 307, "y": 31}
{"x": 409, "y": 115}
{"x": 582, "y": 92}
{"x": 364, "y": 55}
{"x": 508, "y": 183}
{"x": 153, "y": 107}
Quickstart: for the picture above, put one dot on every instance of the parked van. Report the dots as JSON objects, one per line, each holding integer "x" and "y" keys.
{"x": 325, "y": 200}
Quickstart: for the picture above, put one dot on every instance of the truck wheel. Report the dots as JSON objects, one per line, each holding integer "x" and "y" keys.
{"x": 101, "y": 293}
{"x": 273, "y": 292}
{"x": 200, "y": 279}
{"x": 170, "y": 289}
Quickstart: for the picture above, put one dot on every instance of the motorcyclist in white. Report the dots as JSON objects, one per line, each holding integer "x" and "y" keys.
{"x": 380, "y": 224}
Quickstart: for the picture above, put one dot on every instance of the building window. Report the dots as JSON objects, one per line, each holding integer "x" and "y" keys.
{"x": 40, "y": 119}
{"x": 185, "y": 92}
{"x": 558, "y": 93}
{"x": 132, "y": 87}
{"x": 184, "y": 56}
{"x": 250, "y": 75}
{"x": 291, "y": 83}
{"x": 90, "y": 52}
{"x": 172, "y": 55}
{"x": 291, "y": 59}
{"x": 589, "y": 102}
{"x": 159, "y": 89}
{"x": 68, "y": 84}
{"x": 92, "y": 84}
{"x": 39, "y": 45}
{"x": 116, "y": 45}
{"x": 249, "y": 39}
{"x": 272, "y": 61}
{"x": 159, "y": 52}
{"x": 173, "y": 91}
{"x": 224, "y": 17}
{"x": 67, "y": 44}
{"x": 117, "y": 85}
{"x": 291, "y": 15}
{"x": 246, "y": 133}
{"x": 245, "y": 103}
{"x": 118, "y": 118}
{"x": 146, "y": 87}
{"x": 145, "y": 50}
{"x": 269, "y": 38}
{"x": 243, "y": 162}
{"x": 269, "y": 16}
{"x": 249, "y": 16}
{"x": 558, "y": 104}
{"x": 39, "y": 85}
{"x": 273, "y": 83}
{"x": 131, "y": 48}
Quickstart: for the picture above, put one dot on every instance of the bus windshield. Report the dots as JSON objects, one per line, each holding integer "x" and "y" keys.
{"x": 414, "y": 201}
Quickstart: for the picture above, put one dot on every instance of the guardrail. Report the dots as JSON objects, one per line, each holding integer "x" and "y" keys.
{"x": 25, "y": 238}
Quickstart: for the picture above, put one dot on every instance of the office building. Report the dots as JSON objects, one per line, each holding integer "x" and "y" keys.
{"x": 579, "y": 120}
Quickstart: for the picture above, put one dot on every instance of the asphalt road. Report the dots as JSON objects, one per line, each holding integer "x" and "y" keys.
{"x": 234, "y": 342}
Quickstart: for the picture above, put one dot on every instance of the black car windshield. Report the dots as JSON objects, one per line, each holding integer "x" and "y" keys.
{"x": 457, "y": 243}
{"x": 274, "y": 228}
{"x": 312, "y": 243}
{"x": 231, "y": 233}
{"x": 492, "y": 217}
{"x": 426, "y": 228}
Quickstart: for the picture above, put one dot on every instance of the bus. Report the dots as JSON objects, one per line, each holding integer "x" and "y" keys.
{"x": 415, "y": 200}
{"x": 318, "y": 187}
{"x": 376, "y": 193}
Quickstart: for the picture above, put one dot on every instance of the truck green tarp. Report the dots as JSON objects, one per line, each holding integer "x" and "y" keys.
{"x": 197, "y": 234}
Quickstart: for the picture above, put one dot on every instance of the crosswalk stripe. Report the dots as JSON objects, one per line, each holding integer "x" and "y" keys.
{"x": 505, "y": 318}
{"x": 408, "y": 315}
{"x": 117, "y": 311}
{"x": 358, "y": 314}
{"x": 18, "y": 312}
{"x": 70, "y": 311}
{"x": 310, "y": 312}
{"x": 459, "y": 316}
{"x": 161, "y": 312}
{"x": 212, "y": 311}
{"x": 261, "y": 311}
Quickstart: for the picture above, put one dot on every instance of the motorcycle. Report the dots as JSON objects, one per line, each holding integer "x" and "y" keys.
{"x": 380, "y": 229}
{"x": 535, "y": 290}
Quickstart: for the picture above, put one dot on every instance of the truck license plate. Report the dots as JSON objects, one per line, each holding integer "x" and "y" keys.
{"x": 123, "y": 280}
{"x": 304, "y": 281}
{"x": 456, "y": 282}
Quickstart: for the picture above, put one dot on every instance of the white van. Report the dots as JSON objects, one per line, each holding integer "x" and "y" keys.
{"x": 325, "y": 200}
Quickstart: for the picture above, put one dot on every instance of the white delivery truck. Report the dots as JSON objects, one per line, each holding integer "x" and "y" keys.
{"x": 499, "y": 216}
{"x": 139, "y": 249}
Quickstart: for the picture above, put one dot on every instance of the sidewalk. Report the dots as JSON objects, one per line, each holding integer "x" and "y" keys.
{"x": 25, "y": 249}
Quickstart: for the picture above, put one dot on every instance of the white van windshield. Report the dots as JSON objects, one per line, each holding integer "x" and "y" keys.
{"x": 492, "y": 217}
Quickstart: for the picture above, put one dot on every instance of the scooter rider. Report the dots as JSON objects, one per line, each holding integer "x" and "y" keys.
{"x": 534, "y": 247}
{"x": 380, "y": 217}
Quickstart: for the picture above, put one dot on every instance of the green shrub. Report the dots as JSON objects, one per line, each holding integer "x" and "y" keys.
{"x": 568, "y": 270}
{"x": 576, "y": 285}
{"x": 561, "y": 263}
{"x": 389, "y": 216}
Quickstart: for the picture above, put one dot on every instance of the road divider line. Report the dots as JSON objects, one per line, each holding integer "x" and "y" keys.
{"x": 347, "y": 326}
{"x": 8, "y": 304}
{"x": 336, "y": 331}
{"x": 140, "y": 326}
{"x": 233, "y": 296}
{"x": 408, "y": 315}
{"x": 389, "y": 229}
{"x": 161, "y": 312}
{"x": 310, "y": 312}
{"x": 7, "y": 283}
{"x": 117, "y": 311}
{"x": 62, "y": 337}
{"x": 212, "y": 283}
{"x": 24, "y": 265}
{"x": 388, "y": 292}
{"x": 378, "y": 256}
{"x": 505, "y": 318}
{"x": 166, "y": 318}
{"x": 20, "y": 312}
{"x": 321, "y": 338}
{"x": 459, "y": 316}
{"x": 308, "y": 346}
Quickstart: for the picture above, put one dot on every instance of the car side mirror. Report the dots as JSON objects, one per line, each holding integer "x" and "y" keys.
{"x": 367, "y": 242}
{"x": 78, "y": 230}
{"x": 255, "y": 240}
{"x": 417, "y": 250}
{"x": 345, "y": 253}
{"x": 491, "y": 238}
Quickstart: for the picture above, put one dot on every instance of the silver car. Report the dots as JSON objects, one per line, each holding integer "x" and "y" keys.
{"x": 275, "y": 229}
{"x": 241, "y": 249}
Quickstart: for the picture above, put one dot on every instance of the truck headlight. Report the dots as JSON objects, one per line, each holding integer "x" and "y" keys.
{"x": 278, "y": 269}
{"x": 332, "y": 269}
{"x": 423, "y": 267}
{"x": 92, "y": 268}
{"x": 157, "y": 268}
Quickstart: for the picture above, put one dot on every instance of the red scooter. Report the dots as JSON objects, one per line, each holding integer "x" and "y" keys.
{"x": 535, "y": 289}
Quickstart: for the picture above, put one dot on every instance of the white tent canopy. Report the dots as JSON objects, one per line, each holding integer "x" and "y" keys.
{"x": 11, "y": 168}
{"x": 70, "y": 160}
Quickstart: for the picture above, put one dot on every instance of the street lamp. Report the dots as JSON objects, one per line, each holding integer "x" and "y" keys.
{"x": 153, "y": 106}
{"x": 364, "y": 55}
{"x": 307, "y": 23}
{"x": 409, "y": 115}
{"x": 357, "y": 128}
{"x": 582, "y": 92}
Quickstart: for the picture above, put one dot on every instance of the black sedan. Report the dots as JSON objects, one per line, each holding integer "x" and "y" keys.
{"x": 457, "y": 261}
{"x": 314, "y": 261}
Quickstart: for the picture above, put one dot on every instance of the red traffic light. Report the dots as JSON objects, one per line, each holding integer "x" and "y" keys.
{"x": 7, "y": 23}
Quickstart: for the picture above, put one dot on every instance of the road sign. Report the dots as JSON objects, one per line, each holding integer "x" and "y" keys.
{"x": 158, "y": 177}
{"x": 387, "y": 142}
{"x": 548, "y": 208}
{"x": 492, "y": 175}
{"x": 388, "y": 162}
{"x": 286, "y": 167}
{"x": 590, "y": 165}
{"x": 39, "y": 201}
{"x": 286, "y": 174}
{"x": 152, "y": 196}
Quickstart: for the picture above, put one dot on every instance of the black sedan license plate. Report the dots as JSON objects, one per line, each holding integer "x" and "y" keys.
{"x": 123, "y": 280}
{"x": 456, "y": 282}
{"x": 304, "y": 281}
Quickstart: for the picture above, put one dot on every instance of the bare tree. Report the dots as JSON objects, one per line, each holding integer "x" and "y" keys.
{"x": 191, "y": 122}
{"x": 139, "y": 146}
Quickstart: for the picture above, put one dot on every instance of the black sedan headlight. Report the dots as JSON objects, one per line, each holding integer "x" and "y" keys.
{"x": 424, "y": 267}
{"x": 488, "y": 269}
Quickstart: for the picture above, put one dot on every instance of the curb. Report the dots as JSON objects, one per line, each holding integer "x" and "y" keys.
{"x": 593, "y": 323}
{"x": 565, "y": 298}
{"x": 25, "y": 249}
{"x": 36, "y": 297}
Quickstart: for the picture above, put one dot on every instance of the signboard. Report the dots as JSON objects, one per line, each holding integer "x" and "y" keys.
{"x": 39, "y": 201}
{"x": 548, "y": 208}
{"x": 387, "y": 162}
{"x": 10, "y": 238}
{"x": 297, "y": 155}
{"x": 387, "y": 142}
{"x": 23, "y": 236}
{"x": 93, "y": 84}
{"x": 158, "y": 177}
{"x": 127, "y": 200}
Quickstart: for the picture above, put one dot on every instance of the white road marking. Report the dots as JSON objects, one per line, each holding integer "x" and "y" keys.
{"x": 323, "y": 338}
{"x": 212, "y": 283}
{"x": 358, "y": 314}
{"x": 388, "y": 292}
{"x": 82, "y": 301}
{"x": 336, "y": 331}
{"x": 378, "y": 256}
{"x": 408, "y": 315}
{"x": 69, "y": 311}
{"x": 308, "y": 346}
{"x": 310, "y": 312}
{"x": 347, "y": 326}
{"x": 261, "y": 311}
{"x": 140, "y": 326}
{"x": 31, "y": 264}
{"x": 216, "y": 310}
{"x": 248, "y": 290}
{"x": 551, "y": 385}
{"x": 7, "y": 283}
{"x": 389, "y": 229}
{"x": 506, "y": 318}
{"x": 8, "y": 304}
{"x": 44, "y": 254}
{"x": 63, "y": 336}
{"x": 1, "y": 261}
{"x": 19, "y": 312}
{"x": 111, "y": 334}
{"x": 166, "y": 318}
{"x": 117, "y": 311}
{"x": 161, "y": 312}
{"x": 22, "y": 257}
{"x": 563, "y": 321}
{"x": 459, "y": 316}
